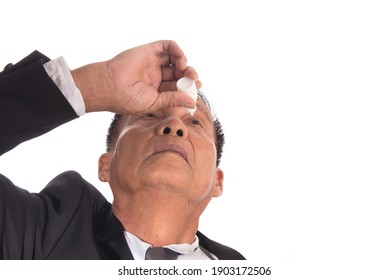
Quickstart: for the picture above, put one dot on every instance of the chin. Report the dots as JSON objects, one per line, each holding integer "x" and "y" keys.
{"x": 167, "y": 177}
{"x": 166, "y": 169}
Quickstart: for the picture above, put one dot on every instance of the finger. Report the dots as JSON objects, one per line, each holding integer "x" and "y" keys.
{"x": 199, "y": 84}
{"x": 168, "y": 86}
{"x": 172, "y": 48}
{"x": 181, "y": 63}
{"x": 191, "y": 73}
{"x": 172, "y": 86}
{"x": 164, "y": 49}
{"x": 171, "y": 73}
{"x": 172, "y": 54}
{"x": 168, "y": 73}
{"x": 173, "y": 99}
{"x": 167, "y": 60}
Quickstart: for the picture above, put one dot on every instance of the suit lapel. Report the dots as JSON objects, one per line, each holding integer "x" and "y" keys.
{"x": 222, "y": 252}
{"x": 110, "y": 238}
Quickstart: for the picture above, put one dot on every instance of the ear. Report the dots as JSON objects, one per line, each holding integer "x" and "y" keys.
{"x": 218, "y": 188}
{"x": 104, "y": 167}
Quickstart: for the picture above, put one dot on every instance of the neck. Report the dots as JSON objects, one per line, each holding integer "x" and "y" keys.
{"x": 157, "y": 217}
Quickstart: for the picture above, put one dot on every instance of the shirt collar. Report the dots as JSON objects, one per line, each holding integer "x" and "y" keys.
{"x": 138, "y": 247}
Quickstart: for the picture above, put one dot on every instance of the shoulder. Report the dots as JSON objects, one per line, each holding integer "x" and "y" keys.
{"x": 221, "y": 251}
{"x": 37, "y": 224}
{"x": 66, "y": 191}
{"x": 71, "y": 190}
{"x": 68, "y": 183}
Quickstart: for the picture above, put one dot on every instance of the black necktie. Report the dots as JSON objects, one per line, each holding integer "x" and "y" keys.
{"x": 160, "y": 253}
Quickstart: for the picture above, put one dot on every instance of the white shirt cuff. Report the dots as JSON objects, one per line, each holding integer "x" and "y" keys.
{"x": 59, "y": 72}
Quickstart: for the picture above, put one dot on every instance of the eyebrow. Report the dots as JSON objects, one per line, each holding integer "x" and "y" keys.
{"x": 204, "y": 111}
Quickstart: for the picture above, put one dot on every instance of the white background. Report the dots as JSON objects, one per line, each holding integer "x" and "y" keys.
{"x": 301, "y": 88}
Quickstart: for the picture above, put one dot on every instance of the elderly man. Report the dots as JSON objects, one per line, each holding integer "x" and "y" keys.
{"x": 161, "y": 161}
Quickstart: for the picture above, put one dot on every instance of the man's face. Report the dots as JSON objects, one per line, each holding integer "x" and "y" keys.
{"x": 167, "y": 150}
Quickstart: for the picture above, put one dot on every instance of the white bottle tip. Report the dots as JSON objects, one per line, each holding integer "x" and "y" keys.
{"x": 188, "y": 86}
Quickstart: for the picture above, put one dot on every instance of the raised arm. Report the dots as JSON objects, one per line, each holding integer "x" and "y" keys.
{"x": 139, "y": 79}
{"x": 30, "y": 102}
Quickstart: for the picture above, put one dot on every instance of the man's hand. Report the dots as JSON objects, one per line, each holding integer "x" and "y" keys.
{"x": 137, "y": 80}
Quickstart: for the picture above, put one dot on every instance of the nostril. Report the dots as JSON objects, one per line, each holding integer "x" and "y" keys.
{"x": 180, "y": 133}
{"x": 166, "y": 130}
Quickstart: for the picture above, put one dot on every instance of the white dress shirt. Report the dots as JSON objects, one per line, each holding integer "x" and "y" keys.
{"x": 59, "y": 72}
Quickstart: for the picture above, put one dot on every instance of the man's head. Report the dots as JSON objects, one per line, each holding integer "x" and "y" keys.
{"x": 167, "y": 150}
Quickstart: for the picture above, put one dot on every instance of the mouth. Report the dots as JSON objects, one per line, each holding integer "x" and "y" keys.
{"x": 172, "y": 148}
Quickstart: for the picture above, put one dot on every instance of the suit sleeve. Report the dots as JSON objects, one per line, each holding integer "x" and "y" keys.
{"x": 30, "y": 105}
{"x": 30, "y": 102}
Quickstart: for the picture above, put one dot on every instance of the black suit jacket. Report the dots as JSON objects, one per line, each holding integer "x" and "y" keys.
{"x": 69, "y": 218}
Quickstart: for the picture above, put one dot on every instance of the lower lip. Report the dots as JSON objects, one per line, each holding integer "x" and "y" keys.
{"x": 170, "y": 152}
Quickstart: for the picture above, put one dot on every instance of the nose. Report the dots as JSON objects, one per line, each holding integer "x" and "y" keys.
{"x": 167, "y": 130}
{"x": 173, "y": 127}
